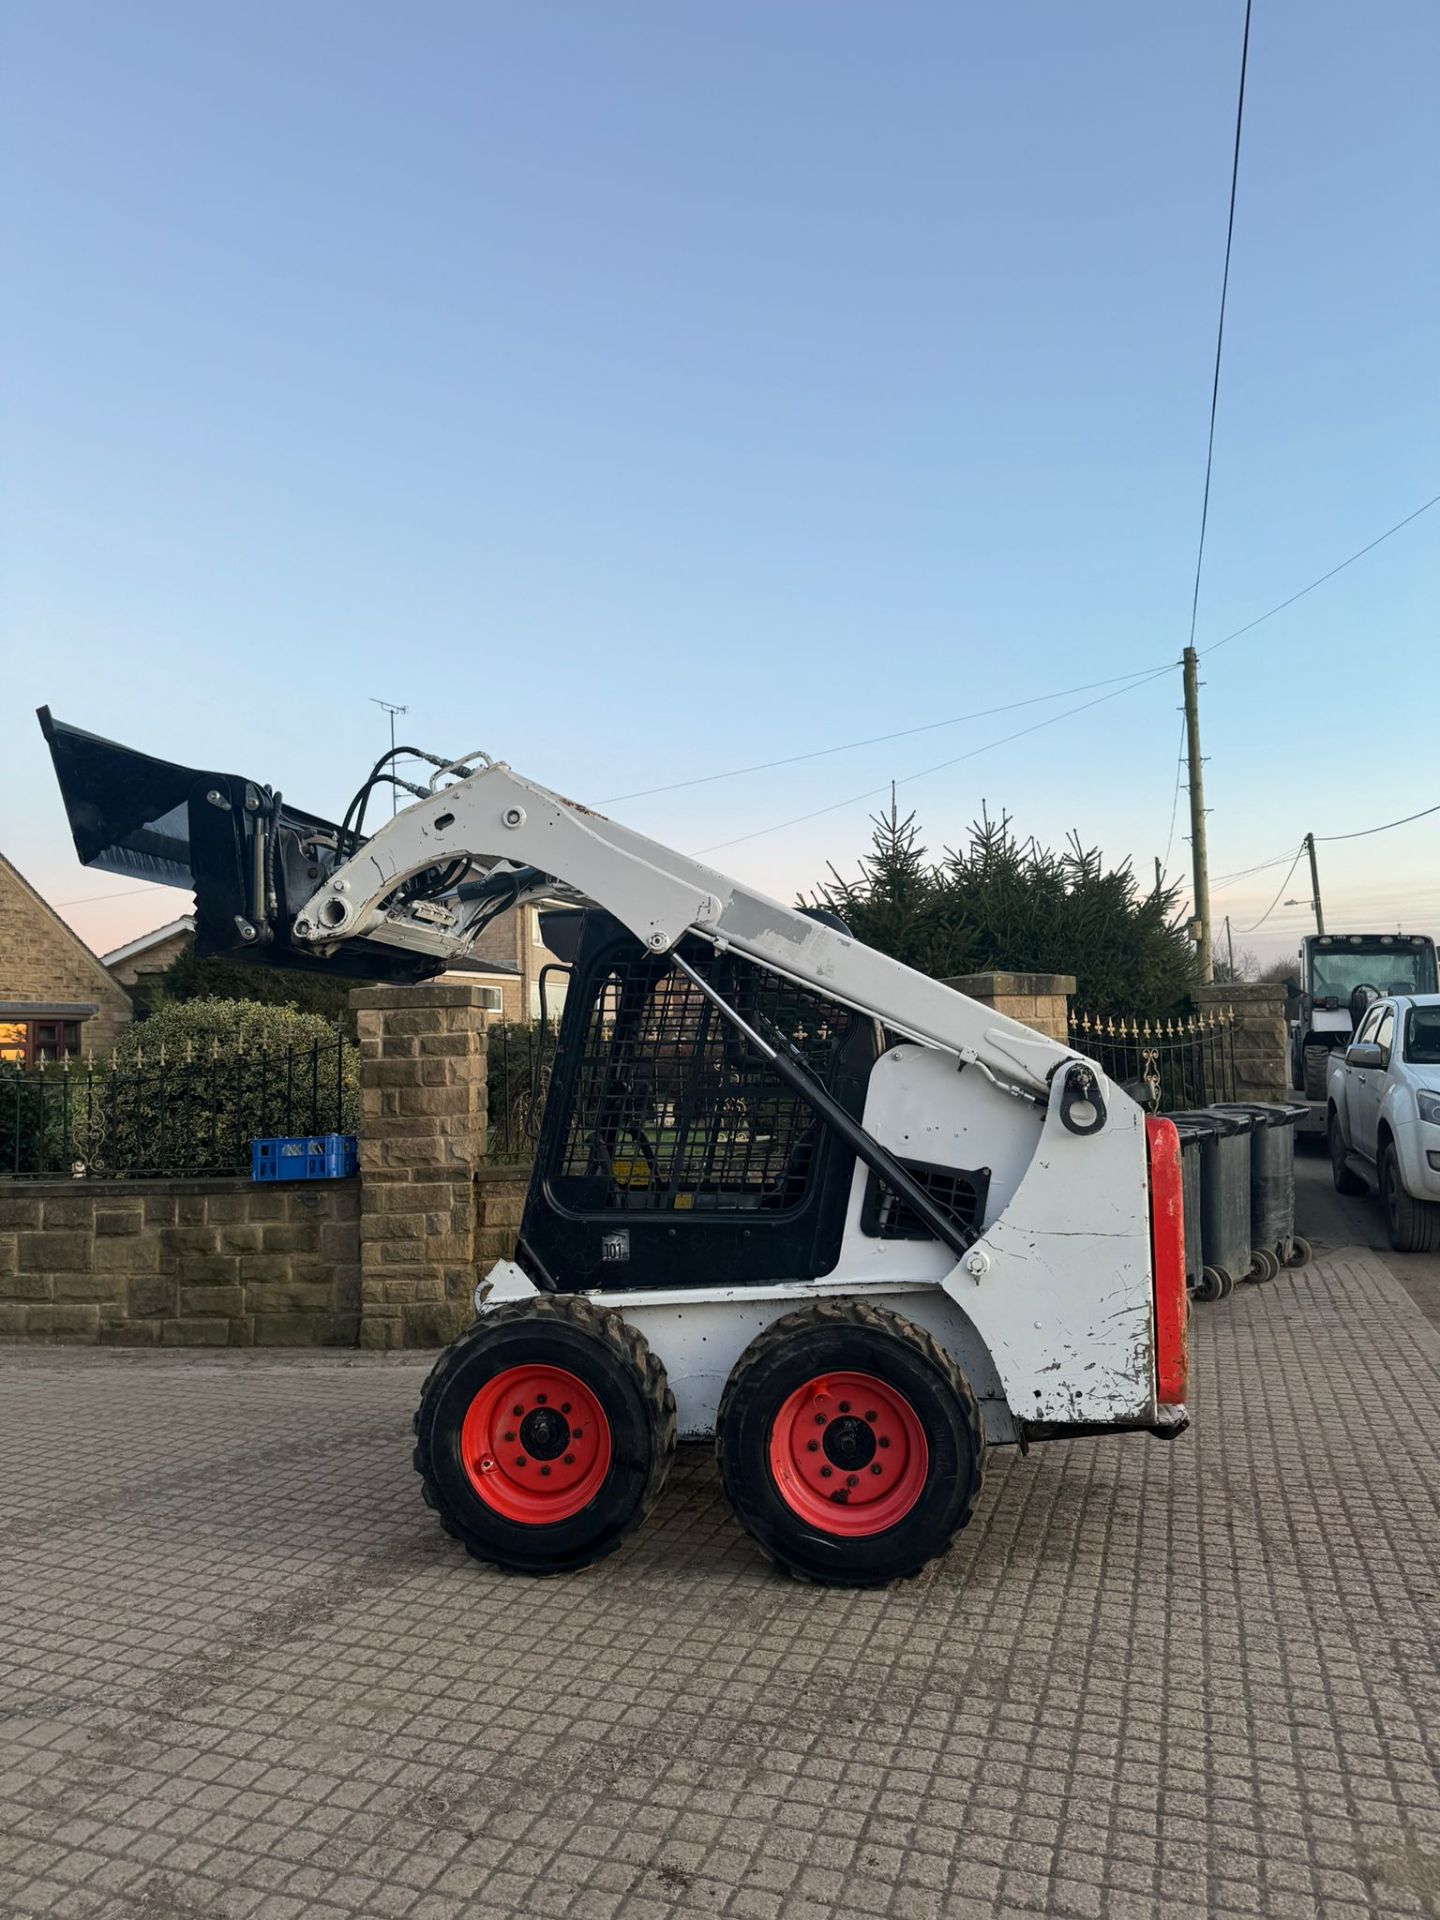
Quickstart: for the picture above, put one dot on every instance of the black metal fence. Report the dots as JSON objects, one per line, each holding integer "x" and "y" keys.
{"x": 1167, "y": 1065}
{"x": 519, "y": 1061}
{"x": 186, "y": 1115}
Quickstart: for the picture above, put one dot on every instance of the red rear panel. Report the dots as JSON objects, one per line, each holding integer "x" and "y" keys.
{"x": 1167, "y": 1249}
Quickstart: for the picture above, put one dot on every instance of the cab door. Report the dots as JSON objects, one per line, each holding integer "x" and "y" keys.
{"x": 1367, "y": 1085}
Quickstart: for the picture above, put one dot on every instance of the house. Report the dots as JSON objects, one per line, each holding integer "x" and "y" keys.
{"x": 56, "y": 997}
{"x": 151, "y": 953}
{"x": 514, "y": 940}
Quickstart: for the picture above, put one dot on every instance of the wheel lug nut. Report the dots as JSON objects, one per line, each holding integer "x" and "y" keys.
{"x": 876, "y": 1467}
{"x": 564, "y": 1406}
{"x": 871, "y": 1418}
{"x": 825, "y": 1473}
{"x": 519, "y": 1459}
{"x": 540, "y": 1399}
{"x": 852, "y": 1480}
{"x": 509, "y": 1436}
{"x": 812, "y": 1446}
{"x": 884, "y": 1440}
{"x": 578, "y": 1432}
{"x": 570, "y": 1461}
{"x": 544, "y": 1473}
{"x": 517, "y": 1411}
{"x": 844, "y": 1406}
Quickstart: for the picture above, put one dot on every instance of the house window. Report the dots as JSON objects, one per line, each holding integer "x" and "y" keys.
{"x": 491, "y": 1000}
{"x": 25, "y": 1043}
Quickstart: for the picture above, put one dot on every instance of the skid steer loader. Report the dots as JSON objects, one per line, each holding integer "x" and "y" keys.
{"x": 788, "y": 1194}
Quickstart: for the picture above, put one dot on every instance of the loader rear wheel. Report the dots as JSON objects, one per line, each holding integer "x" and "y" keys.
{"x": 544, "y": 1435}
{"x": 850, "y": 1445}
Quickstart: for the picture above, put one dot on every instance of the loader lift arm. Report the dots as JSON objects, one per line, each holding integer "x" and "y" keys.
{"x": 291, "y": 889}
{"x": 535, "y": 845}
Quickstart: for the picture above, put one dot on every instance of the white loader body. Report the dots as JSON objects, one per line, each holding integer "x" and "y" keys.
{"x": 1053, "y": 1306}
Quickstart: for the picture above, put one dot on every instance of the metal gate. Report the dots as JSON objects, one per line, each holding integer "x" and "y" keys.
{"x": 1167, "y": 1065}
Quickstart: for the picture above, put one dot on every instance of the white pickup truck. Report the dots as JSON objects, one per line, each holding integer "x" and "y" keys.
{"x": 1383, "y": 1116}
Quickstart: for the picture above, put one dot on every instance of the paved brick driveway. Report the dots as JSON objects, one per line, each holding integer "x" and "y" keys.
{"x": 241, "y": 1673}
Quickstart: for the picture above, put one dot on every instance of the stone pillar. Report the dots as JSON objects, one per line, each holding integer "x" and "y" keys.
{"x": 422, "y": 1135}
{"x": 1262, "y": 1035}
{"x": 1039, "y": 1000}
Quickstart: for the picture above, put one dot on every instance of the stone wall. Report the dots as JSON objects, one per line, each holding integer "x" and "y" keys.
{"x": 387, "y": 1260}
{"x": 1039, "y": 1000}
{"x": 181, "y": 1262}
{"x": 1262, "y": 1036}
{"x": 499, "y": 1203}
{"x": 422, "y": 1136}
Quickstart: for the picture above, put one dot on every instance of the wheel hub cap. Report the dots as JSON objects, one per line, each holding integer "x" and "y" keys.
{"x": 848, "y": 1454}
{"x": 535, "y": 1444}
{"x": 849, "y": 1443}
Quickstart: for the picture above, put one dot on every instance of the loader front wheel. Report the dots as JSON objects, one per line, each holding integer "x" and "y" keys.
{"x": 850, "y": 1445}
{"x": 544, "y": 1435}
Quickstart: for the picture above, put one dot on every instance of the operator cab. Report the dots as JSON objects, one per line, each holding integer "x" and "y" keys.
{"x": 670, "y": 1145}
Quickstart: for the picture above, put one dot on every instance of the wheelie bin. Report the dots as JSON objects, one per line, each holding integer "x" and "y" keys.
{"x": 1224, "y": 1196}
{"x": 1204, "y": 1283}
{"x": 1272, "y": 1182}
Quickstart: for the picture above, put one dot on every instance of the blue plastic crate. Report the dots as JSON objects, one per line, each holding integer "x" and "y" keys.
{"x": 304, "y": 1156}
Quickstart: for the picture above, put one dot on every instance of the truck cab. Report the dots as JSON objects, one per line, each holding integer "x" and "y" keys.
{"x": 1340, "y": 975}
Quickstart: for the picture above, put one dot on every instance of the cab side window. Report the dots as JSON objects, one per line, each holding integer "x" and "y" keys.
{"x": 1366, "y": 1030}
{"x": 1385, "y": 1035}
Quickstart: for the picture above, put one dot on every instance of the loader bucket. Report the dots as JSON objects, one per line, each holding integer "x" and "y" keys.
{"x": 250, "y": 859}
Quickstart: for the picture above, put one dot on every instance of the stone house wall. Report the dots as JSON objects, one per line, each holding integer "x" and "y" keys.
{"x": 513, "y": 938}
{"x": 151, "y": 959}
{"x": 44, "y": 965}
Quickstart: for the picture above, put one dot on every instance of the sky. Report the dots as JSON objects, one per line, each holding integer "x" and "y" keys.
{"x": 643, "y": 391}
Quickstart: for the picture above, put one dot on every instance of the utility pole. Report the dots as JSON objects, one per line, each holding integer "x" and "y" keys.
{"x": 389, "y": 706}
{"x": 1230, "y": 945}
{"x": 1199, "y": 855}
{"x": 1315, "y": 884}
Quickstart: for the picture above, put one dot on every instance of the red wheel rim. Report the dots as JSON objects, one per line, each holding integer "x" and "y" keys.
{"x": 848, "y": 1454}
{"x": 535, "y": 1445}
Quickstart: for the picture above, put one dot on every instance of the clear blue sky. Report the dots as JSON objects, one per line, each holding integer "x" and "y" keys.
{"x": 637, "y": 391}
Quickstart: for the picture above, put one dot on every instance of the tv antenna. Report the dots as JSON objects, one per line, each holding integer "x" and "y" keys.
{"x": 390, "y": 707}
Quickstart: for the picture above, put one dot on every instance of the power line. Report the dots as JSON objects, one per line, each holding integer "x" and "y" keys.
{"x": 879, "y": 739}
{"x": 1276, "y": 901}
{"x": 1220, "y": 330}
{"x": 91, "y": 898}
{"x": 871, "y": 792}
{"x": 1369, "y": 547}
{"x": 1324, "y": 839}
{"x": 1175, "y": 797}
{"x": 1139, "y": 676}
{"x": 1262, "y": 866}
{"x": 1363, "y": 833}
